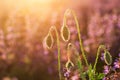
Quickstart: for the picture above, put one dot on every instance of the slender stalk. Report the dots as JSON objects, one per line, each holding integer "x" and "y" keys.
{"x": 69, "y": 62}
{"x": 79, "y": 36}
{"x": 79, "y": 62}
{"x": 58, "y": 46}
{"x": 98, "y": 53}
{"x": 64, "y": 18}
{"x": 68, "y": 51}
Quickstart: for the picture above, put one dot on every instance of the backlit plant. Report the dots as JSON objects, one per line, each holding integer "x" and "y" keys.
{"x": 90, "y": 73}
{"x": 49, "y": 44}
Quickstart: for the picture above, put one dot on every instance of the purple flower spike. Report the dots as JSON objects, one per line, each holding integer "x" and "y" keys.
{"x": 106, "y": 69}
{"x": 117, "y": 64}
{"x": 119, "y": 54}
{"x": 104, "y": 78}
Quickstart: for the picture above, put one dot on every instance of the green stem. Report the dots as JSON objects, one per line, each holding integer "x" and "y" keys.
{"x": 68, "y": 51}
{"x": 98, "y": 53}
{"x": 58, "y": 46}
{"x": 64, "y": 18}
{"x": 81, "y": 69}
{"x": 79, "y": 36}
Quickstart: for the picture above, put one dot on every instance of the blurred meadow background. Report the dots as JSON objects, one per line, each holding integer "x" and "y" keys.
{"x": 25, "y": 23}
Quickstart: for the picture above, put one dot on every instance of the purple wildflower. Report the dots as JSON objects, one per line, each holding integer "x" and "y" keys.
{"x": 106, "y": 69}
{"x": 117, "y": 63}
{"x": 67, "y": 74}
{"x": 102, "y": 57}
{"x": 104, "y": 78}
{"x": 75, "y": 77}
{"x": 119, "y": 54}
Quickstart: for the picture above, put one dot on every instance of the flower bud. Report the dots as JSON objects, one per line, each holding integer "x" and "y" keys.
{"x": 69, "y": 64}
{"x": 107, "y": 58}
{"x": 72, "y": 53}
{"x": 65, "y": 33}
{"x": 49, "y": 40}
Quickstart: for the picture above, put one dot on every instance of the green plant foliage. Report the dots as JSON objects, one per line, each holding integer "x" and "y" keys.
{"x": 73, "y": 55}
{"x": 99, "y": 76}
{"x": 80, "y": 67}
{"x": 91, "y": 73}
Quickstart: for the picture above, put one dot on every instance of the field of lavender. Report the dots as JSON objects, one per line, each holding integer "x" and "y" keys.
{"x": 59, "y": 40}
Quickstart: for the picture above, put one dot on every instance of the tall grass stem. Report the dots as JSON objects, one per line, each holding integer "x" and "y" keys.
{"x": 59, "y": 56}
{"x": 79, "y": 36}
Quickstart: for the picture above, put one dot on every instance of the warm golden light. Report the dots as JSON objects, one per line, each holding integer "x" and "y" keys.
{"x": 11, "y": 4}
{"x": 33, "y": 6}
{"x": 39, "y": 0}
